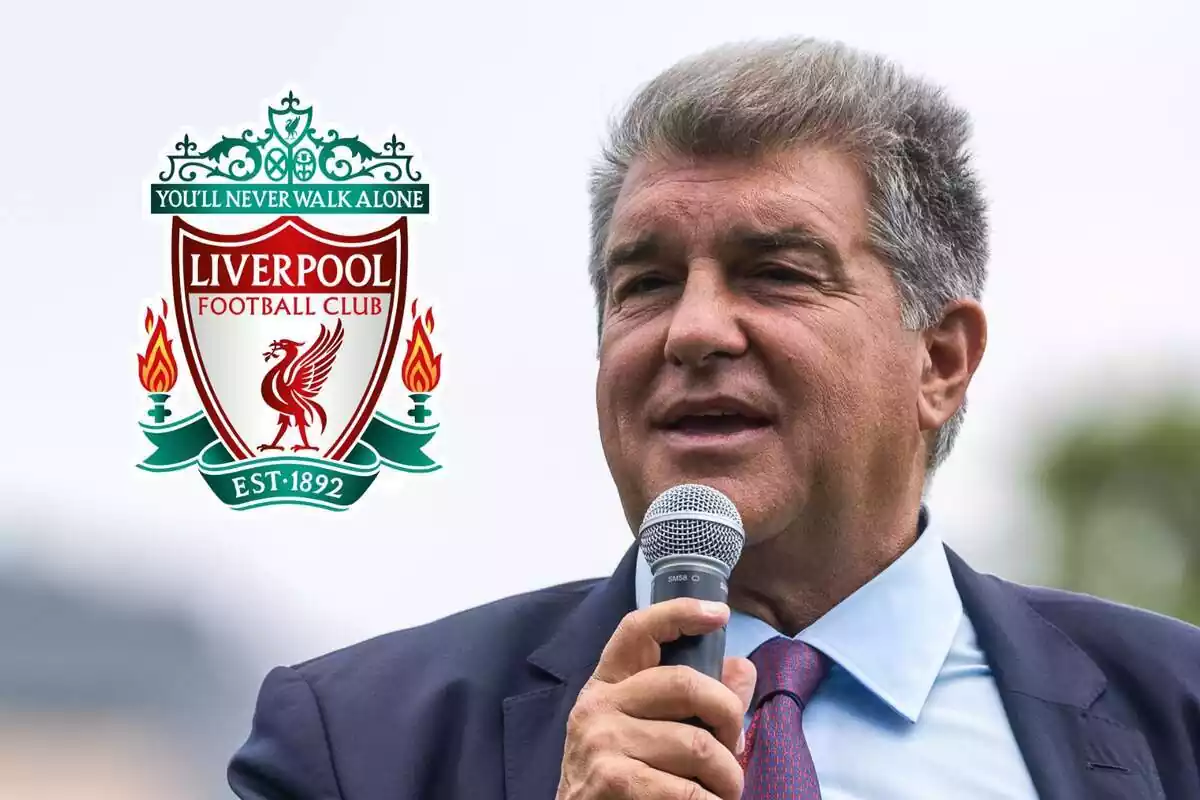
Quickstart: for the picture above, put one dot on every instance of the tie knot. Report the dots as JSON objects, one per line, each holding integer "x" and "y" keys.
{"x": 788, "y": 665}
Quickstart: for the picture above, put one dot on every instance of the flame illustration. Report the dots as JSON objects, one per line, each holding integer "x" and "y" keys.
{"x": 422, "y": 369}
{"x": 157, "y": 369}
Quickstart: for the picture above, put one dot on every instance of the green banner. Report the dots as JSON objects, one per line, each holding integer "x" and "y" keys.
{"x": 286, "y": 199}
{"x": 292, "y": 480}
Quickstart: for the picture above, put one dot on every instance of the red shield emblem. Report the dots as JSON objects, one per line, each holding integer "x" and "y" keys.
{"x": 289, "y": 331}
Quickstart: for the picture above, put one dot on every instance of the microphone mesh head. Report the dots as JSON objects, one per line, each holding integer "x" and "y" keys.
{"x": 692, "y": 519}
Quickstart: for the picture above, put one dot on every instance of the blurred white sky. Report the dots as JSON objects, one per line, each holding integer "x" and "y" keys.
{"x": 1086, "y": 121}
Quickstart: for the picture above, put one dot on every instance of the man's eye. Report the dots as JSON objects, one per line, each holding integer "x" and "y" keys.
{"x": 780, "y": 273}
{"x": 643, "y": 284}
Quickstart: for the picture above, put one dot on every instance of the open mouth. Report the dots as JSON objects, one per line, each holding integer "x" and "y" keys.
{"x": 716, "y": 423}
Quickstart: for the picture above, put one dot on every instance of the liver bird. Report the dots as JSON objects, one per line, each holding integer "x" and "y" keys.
{"x": 291, "y": 386}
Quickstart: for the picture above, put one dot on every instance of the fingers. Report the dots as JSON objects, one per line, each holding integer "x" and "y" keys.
{"x": 635, "y": 644}
{"x": 626, "y": 779}
{"x": 612, "y": 756}
{"x": 687, "y": 752}
{"x": 679, "y": 693}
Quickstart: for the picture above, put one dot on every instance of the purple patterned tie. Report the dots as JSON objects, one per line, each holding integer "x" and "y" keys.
{"x": 777, "y": 762}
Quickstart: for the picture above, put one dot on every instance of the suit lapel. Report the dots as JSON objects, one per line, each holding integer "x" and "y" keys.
{"x": 1065, "y": 720}
{"x": 535, "y": 720}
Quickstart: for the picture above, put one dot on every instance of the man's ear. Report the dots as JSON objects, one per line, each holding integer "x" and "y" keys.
{"x": 953, "y": 350}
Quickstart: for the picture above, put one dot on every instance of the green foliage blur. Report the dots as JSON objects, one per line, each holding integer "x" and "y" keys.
{"x": 1125, "y": 489}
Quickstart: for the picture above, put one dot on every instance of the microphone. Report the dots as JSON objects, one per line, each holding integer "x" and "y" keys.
{"x": 692, "y": 536}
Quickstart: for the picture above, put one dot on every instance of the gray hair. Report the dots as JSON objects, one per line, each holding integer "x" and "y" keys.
{"x": 927, "y": 216}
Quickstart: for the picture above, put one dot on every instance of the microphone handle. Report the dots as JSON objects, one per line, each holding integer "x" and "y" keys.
{"x": 704, "y": 653}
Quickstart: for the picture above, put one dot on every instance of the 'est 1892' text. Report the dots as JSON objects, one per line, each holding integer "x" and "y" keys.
{"x": 277, "y": 480}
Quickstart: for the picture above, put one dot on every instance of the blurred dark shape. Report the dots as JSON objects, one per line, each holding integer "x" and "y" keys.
{"x": 1125, "y": 487}
{"x": 102, "y": 696}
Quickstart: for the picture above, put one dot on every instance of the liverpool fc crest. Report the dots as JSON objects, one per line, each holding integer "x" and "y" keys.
{"x": 289, "y": 330}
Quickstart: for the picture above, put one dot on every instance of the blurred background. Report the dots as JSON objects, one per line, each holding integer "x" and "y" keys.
{"x": 138, "y": 615}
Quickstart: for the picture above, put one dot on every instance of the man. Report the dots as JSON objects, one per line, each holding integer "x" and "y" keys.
{"x": 789, "y": 246}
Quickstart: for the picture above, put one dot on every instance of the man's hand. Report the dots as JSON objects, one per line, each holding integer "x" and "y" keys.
{"x": 624, "y": 735}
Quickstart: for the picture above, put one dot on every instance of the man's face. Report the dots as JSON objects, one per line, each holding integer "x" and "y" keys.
{"x": 752, "y": 342}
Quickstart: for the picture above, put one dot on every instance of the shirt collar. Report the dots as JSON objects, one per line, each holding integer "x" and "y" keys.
{"x": 892, "y": 635}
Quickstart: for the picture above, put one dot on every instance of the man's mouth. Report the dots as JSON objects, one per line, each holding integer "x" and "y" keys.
{"x": 712, "y": 418}
{"x": 716, "y": 423}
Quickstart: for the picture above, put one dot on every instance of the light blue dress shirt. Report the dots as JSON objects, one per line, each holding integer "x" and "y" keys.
{"x": 910, "y": 710}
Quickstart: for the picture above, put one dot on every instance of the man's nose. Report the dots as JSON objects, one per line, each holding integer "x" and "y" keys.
{"x": 704, "y": 322}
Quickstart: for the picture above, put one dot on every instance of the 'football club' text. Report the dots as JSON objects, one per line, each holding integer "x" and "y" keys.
{"x": 288, "y": 305}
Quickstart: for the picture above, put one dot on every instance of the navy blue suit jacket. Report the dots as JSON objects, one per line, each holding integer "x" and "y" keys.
{"x": 1104, "y": 700}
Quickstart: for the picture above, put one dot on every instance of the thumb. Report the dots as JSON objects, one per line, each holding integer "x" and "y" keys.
{"x": 740, "y": 676}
